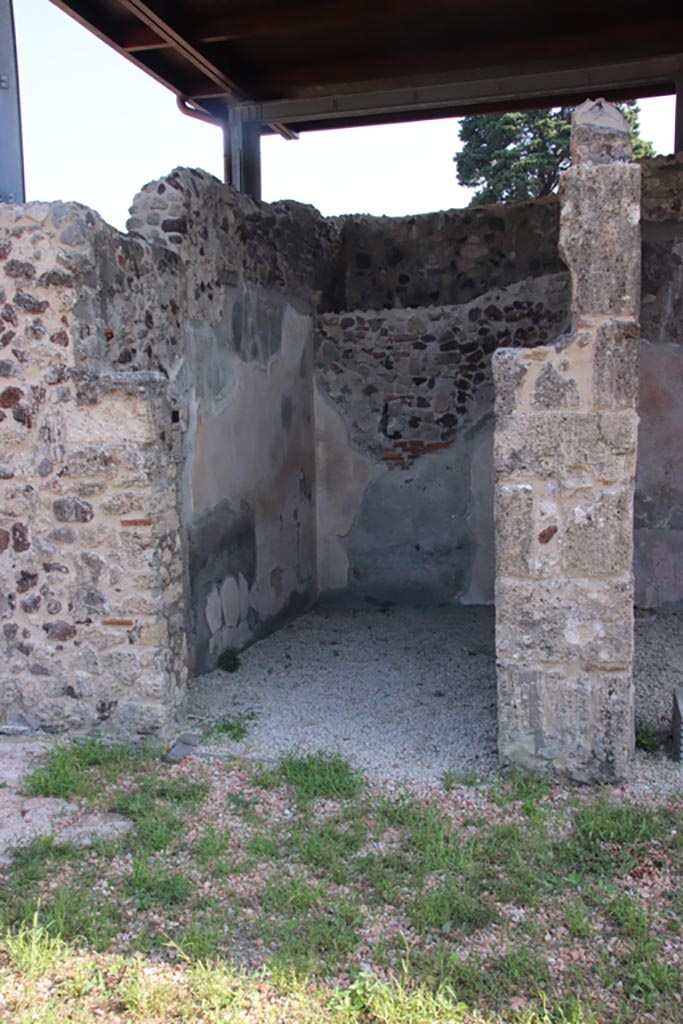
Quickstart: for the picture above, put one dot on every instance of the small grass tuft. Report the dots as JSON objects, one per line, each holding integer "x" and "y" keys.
{"x": 235, "y": 727}
{"x": 33, "y": 949}
{"x": 329, "y": 776}
{"x": 649, "y": 739}
{"x": 229, "y": 659}
{"x": 150, "y": 884}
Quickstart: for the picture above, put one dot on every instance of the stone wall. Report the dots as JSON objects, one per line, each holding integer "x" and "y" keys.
{"x": 91, "y": 597}
{"x": 565, "y": 458}
{"x": 441, "y": 259}
{"x": 156, "y": 446}
{"x": 407, "y": 396}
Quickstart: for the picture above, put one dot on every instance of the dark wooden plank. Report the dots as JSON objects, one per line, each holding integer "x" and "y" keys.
{"x": 230, "y": 25}
{"x": 290, "y": 77}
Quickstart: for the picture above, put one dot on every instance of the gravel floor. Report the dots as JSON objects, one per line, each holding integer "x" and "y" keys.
{"x": 406, "y": 693}
{"x": 406, "y": 686}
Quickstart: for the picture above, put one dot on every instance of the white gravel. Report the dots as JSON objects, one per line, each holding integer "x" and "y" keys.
{"x": 406, "y": 693}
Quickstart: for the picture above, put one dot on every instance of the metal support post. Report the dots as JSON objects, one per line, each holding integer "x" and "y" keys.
{"x": 242, "y": 151}
{"x": 11, "y": 154}
{"x": 678, "y": 135}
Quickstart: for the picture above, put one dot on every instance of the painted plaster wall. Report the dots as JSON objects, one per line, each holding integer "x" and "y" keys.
{"x": 659, "y": 483}
{"x": 243, "y": 388}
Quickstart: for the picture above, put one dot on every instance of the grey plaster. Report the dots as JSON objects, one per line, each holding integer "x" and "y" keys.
{"x": 410, "y": 542}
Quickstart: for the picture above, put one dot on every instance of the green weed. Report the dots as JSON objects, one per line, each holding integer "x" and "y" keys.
{"x": 235, "y": 727}
{"x": 577, "y": 919}
{"x": 33, "y": 949}
{"x": 321, "y": 774}
{"x": 229, "y": 659}
{"x": 150, "y": 883}
{"x": 648, "y": 738}
{"x": 449, "y": 906}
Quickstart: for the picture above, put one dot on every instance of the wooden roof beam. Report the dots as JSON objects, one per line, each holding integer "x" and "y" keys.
{"x": 175, "y": 33}
{"x": 247, "y": 24}
{"x": 631, "y": 42}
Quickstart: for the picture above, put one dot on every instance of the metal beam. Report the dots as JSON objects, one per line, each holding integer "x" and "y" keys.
{"x": 175, "y": 33}
{"x": 471, "y": 89}
{"x": 242, "y": 153}
{"x": 678, "y": 131}
{"x": 11, "y": 152}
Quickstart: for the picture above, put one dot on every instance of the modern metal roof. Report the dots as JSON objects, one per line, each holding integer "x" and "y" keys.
{"x": 298, "y": 64}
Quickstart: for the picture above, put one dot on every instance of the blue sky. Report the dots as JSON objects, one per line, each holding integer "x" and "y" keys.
{"x": 96, "y": 129}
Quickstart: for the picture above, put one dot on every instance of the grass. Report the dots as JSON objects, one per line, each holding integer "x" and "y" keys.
{"x": 152, "y": 884}
{"x": 229, "y": 659}
{"x": 67, "y": 771}
{"x": 305, "y": 895}
{"x": 235, "y": 727}
{"x": 319, "y": 775}
{"x": 649, "y": 739}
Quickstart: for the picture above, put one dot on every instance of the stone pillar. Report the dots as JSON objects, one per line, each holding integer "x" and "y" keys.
{"x": 565, "y": 460}
{"x": 92, "y": 633}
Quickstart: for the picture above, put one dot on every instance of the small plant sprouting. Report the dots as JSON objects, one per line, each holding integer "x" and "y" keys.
{"x": 229, "y": 659}
{"x": 235, "y": 727}
{"x": 648, "y": 738}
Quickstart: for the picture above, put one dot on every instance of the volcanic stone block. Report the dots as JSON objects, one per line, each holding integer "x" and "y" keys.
{"x": 578, "y": 721}
{"x": 557, "y": 445}
{"x": 513, "y": 510}
{"x": 599, "y": 234}
{"x": 600, "y": 134}
{"x": 579, "y": 621}
{"x": 508, "y": 375}
{"x": 598, "y": 535}
{"x": 615, "y": 372}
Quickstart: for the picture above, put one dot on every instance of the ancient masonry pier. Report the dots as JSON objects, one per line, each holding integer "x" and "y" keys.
{"x": 565, "y": 461}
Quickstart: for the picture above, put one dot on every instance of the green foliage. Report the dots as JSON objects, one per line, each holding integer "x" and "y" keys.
{"x": 33, "y": 949}
{"x": 447, "y": 906}
{"x": 512, "y": 157}
{"x": 229, "y": 660}
{"x": 577, "y": 919}
{"x": 608, "y": 838}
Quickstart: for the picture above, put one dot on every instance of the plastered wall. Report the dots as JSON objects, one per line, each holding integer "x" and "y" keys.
{"x": 242, "y": 385}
